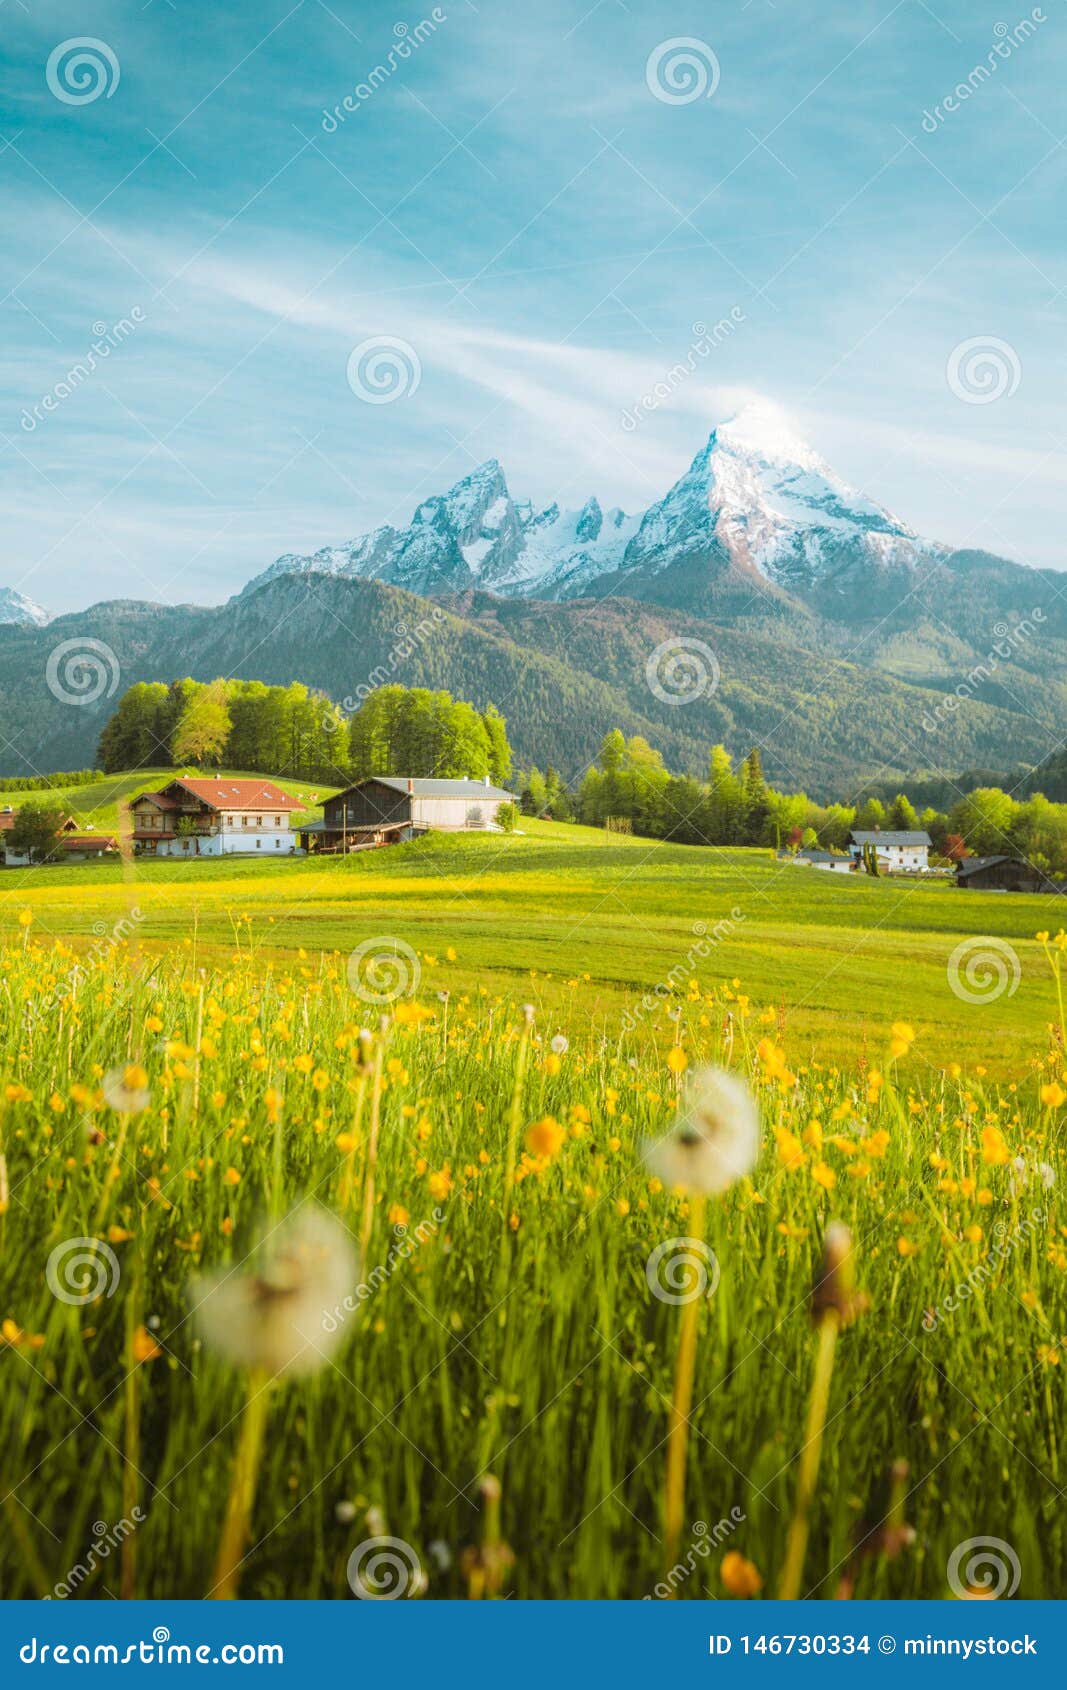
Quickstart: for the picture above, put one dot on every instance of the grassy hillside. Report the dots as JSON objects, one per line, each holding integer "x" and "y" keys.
{"x": 98, "y": 804}
{"x": 589, "y": 923}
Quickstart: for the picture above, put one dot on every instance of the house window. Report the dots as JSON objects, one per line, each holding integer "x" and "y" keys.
{"x": 277, "y": 821}
{"x": 259, "y": 842}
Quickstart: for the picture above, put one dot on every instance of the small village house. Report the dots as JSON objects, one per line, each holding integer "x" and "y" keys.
{"x": 899, "y": 852}
{"x": 386, "y": 809}
{"x": 812, "y": 856}
{"x": 77, "y": 844}
{"x": 214, "y": 816}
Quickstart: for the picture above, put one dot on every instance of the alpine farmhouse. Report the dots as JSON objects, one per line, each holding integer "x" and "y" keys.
{"x": 77, "y": 844}
{"x": 894, "y": 850}
{"x": 385, "y": 810}
{"x": 214, "y": 817}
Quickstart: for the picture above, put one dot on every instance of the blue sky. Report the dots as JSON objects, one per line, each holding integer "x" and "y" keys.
{"x": 513, "y": 202}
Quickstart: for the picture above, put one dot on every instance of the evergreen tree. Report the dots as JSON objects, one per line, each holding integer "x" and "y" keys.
{"x": 903, "y": 815}
{"x": 754, "y": 799}
{"x": 724, "y": 807}
{"x": 499, "y": 750}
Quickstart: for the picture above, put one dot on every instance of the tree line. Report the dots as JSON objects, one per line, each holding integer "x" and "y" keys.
{"x": 629, "y": 789}
{"x": 416, "y": 731}
{"x": 294, "y": 731}
{"x": 47, "y": 783}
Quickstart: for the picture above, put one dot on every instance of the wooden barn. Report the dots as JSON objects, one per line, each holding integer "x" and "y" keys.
{"x": 387, "y": 809}
{"x": 1004, "y": 874}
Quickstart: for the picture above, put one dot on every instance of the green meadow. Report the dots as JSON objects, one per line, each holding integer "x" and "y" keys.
{"x": 597, "y": 922}
{"x": 333, "y": 1263}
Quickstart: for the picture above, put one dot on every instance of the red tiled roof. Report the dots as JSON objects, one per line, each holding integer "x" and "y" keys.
{"x": 83, "y": 841}
{"x": 223, "y": 794}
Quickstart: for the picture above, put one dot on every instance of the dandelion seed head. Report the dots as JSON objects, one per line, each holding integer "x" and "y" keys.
{"x": 126, "y": 1089}
{"x": 715, "y": 1140}
{"x": 277, "y": 1313}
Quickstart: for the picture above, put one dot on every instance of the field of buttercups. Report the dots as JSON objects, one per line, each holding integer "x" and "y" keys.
{"x": 314, "y": 1285}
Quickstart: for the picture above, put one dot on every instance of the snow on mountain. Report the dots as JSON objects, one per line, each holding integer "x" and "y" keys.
{"x": 17, "y": 608}
{"x": 756, "y": 500}
{"x": 782, "y": 510}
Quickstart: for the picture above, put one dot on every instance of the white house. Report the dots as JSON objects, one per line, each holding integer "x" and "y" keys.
{"x": 813, "y": 856}
{"x": 894, "y": 850}
{"x": 213, "y": 817}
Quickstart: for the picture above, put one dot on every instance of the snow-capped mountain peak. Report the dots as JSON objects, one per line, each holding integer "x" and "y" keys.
{"x": 783, "y": 511}
{"x": 16, "y": 608}
{"x": 756, "y": 502}
{"x": 763, "y": 430}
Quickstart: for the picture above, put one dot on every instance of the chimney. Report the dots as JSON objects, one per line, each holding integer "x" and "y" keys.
{"x": 411, "y": 787}
{"x": 487, "y": 780}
